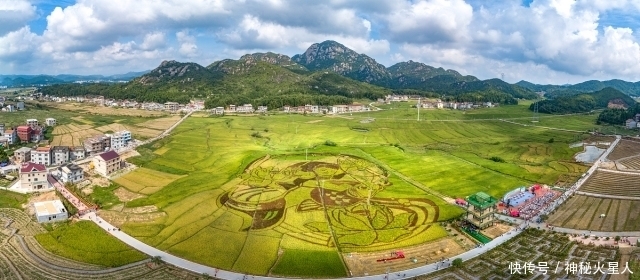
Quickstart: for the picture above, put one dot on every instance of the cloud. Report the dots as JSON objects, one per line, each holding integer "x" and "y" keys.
{"x": 18, "y": 45}
{"x": 14, "y": 14}
{"x": 188, "y": 46}
{"x": 153, "y": 41}
{"x": 432, "y": 21}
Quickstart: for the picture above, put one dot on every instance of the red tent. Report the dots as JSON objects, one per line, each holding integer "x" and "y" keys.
{"x": 515, "y": 213}
{"x": 461, "y": 201}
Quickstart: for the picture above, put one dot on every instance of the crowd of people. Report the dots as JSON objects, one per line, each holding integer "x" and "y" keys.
{"x": 536, "y": 204}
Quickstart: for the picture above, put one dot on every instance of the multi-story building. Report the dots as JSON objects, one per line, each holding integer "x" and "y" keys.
{"x": 20, "y": 105}
{"x": 70, "y": 173}
{"x": 481, "y": 208}
{"x": 22, "y": 155}
{"x": 11, "y": 135}
{"x": 171, "y": 106}
{"x": 50, "y": 121}
{"x": 97, "y": 144}
{"x": 50, "y": 211}
{"x": 33, "y": 177}
{"x": 2, "y": 125}
{"x": 120, "y": 139}
{"x": 24, "y": 133}
{"x": 59, "y": 155}
{"x": 246, "y": 108}
{"x": 32, "y": 122}
{"x": 107, "y": 163}
{"x": 38, "y": 134}
{"x": 218, "y": 111}
{"x": 77, "y": 153}
{"x": 41, "y": 155}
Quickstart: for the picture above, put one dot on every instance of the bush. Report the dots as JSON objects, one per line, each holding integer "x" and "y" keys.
{"x": 457, "y": 263}
{"x": 551, "y": 140}
{"x": 330, "y": 143}
{"x": 497, "y": 159}
{"x": 256, "y": 135}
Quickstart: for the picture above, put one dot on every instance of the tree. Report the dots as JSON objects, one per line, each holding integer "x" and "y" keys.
{"x": 457, "y": 263}
{"x": 617, "y": 238}
{"x": 157, "y": 260}
{"x": 552, "y": 140}
{"x": 4, "y": 157}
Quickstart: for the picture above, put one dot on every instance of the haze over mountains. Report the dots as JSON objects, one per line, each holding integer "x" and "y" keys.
{"x": 325, "y": 73}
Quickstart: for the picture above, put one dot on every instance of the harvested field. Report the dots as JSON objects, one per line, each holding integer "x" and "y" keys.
{"x": 620, "y": 215}
{"x": 361, "y": 264}
{"x": 146, "y": 181}
{"x": 625, "y": 148}
{"x": 160, "y": 123}
{"x": 111, "y": 127}
{"x": 107, "y": 110}
{"x": 631, "y": 163}
{"x": 613, "y": 183}
{"x": 125, "y": 195}
{"x": 144, "y": 132}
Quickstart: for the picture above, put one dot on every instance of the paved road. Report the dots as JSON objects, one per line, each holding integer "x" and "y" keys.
{"x": 198, "y": 268}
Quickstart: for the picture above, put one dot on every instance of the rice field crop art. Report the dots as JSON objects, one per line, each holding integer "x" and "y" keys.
{"x": 335, "y": 200}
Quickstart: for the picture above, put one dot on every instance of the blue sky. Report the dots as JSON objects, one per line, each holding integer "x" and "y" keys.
{"x": 543, "y": 41}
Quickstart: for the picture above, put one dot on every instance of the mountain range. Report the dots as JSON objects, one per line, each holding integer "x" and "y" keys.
{"x": 628, "y": 88}
{"x": 326, "y": 73}
{"x": 39, "y": 80}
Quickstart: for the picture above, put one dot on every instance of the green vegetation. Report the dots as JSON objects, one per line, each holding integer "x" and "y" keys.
{"x": 457, "y": 263}
{"x": 246, "y": 198}
{"x": 10, "y": 199}
{"x": 584, "y": 102}
{"x": 276, "y": 80}
{"x": 302, "y": 263}
{"x": 104, "y": 197}
{"x": 618, "y": 116}
{"x": 85, "y": 242}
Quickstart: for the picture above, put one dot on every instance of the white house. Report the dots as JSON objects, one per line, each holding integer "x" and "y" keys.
{"x": 218, "y": 111}
{"x": 107, "y": 163}
{"x": 11, "y": 135}
{"x": 50, "y": 211}
{"x": 33, "y": 177}
{"x": 70, "y": 173}
{"x": 77, "y": 153}
{"x": 246, "y": 108}
{"x": 50, "y": 121}
{"x": 20, "y": 105}
{"x": 59, "y": 155}
{"x": 32, "y": 122}
{"x": 120, "y": 139}
{"x": 41, "y": 155}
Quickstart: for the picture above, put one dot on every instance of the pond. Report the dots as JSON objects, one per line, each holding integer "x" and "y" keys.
{"x": 590, "y": 154}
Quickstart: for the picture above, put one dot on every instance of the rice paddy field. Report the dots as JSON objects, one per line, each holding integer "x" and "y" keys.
{"x": 583, "y": 212}
{"x": 288, "y": 195}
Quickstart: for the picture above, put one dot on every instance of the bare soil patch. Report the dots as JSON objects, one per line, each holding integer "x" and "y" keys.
{"x": 360, "y": 264}
{"x": 125, "y": 195}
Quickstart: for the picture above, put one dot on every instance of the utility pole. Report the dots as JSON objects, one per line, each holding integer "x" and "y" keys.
{"x": 419, "y": 105}
{"x": 305, "y": 154}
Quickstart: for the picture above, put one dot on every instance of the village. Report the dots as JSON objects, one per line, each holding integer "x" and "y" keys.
{"x": 43, "y": 168}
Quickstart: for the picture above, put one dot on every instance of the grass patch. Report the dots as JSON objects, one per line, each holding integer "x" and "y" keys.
{"x": 104, "y": 197}
{"x": 84, "y": 241}
{"x": 313, "y": 264}
{"x": 10, "y": 199}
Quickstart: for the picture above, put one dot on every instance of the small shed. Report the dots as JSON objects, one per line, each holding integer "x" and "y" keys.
{"x": 50, "y": 211}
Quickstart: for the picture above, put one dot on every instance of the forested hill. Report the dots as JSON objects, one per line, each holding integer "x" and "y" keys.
{"x": 327, "y": 73}
{"x": 629, "y": 88}
{"x": 585, "y": 102}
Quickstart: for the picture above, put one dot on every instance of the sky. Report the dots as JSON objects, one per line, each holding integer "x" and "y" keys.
{"x": 542, "y": 41}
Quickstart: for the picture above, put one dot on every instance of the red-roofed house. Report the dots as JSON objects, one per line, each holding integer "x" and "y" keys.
{"x": 107, "y": 163}
{"x": 33, "y": 177}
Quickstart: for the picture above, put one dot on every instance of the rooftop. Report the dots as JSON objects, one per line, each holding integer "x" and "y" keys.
{"x": 32, "y": 167}
{"x": 46, "y": 208}
{"x": 107, "y": 156}
{"x": 481, "y": 200}
{"x": 23, "y": 150}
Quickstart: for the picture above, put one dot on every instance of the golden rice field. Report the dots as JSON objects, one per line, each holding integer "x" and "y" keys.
{"x": 146, "y": 181}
